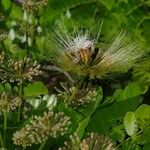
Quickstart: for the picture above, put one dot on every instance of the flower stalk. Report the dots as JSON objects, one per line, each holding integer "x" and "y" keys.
{"x": 1, "y": 140}
{"x": 42, "y": 145}
{"x": 20, "y": 95}
{"x": 5, "y": 126}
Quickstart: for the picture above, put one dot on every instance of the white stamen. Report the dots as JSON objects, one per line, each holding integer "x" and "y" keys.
{"x": 81, "y": 42}
{"x": 75, "y": 42}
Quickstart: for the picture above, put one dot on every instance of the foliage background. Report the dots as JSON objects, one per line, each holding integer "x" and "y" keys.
{"x": 120, "y": 99}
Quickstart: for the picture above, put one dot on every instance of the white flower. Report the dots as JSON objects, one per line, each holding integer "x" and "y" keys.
{"x": 12, "y": 34}
{"x": 51, "y": 101}
{"x": 116, "y": 55}
{"x": 13, "y": 23}
{"x": 25, "y": 16}
{"x": 121, "y": 54}
{"x": 68, "y": 14}
{"x": 31, "y": 19}
{"x": 39, "y": 29}
{"x": 29, "y": 41}
{"x": 23, "y": 38}
{"x": 35, "y": 102}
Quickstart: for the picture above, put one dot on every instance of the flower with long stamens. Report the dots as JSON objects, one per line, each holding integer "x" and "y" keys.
{"x": 79, "y": 54}
{"x": 93, "y": 142}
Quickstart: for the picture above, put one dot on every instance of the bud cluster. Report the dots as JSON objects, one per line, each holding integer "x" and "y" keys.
{"x": 33, "y": 6}
{"x": 8, "y": 102}
{"x": 1, "y": 16}
{"x": 40, "y": 128}
{"x": 19, "y": 71}
{"x": 75, "y": 96}
{"x": 3, "y": 35}
{"x": 93, "y": 142}
{"x": 26, "y": 31}
{"x": 1, "y": 58}
{"x": 27, "y": 28}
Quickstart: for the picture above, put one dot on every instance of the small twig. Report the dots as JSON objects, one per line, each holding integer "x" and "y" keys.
{"x": 142, "y": 20}
{"x": 54, "y": 68}
{"x": 136, "y": 7}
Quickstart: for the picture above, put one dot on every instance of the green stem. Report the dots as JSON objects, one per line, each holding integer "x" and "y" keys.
{"x": 23, "y": 148}
{"x": 128, "y": 139}
{"x": 5, "y": 125}
{"x": 42, "y": 145}
{"x": 19, "y": 113}
{"x": 1, "y": 140}
{"x": 20, "y": 95}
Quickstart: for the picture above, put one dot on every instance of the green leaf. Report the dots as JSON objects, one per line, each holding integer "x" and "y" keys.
{"x": 130, "y": 123}
{"x": 130, "y": 146}
{"x": 1, "y": 88}
{"x": 143, "y": 138}
{"x": 121, "y": 95}
{"x": 76, "y": 7}
{"x": 108, "y": 3}
{"x": 132, "y": 90}
{"x": 16, "y": 12}
{"x": 90, "y": 108}
{"x": 141, "y": 74}
{"x": 106, "y": 117}
{"x": 143, "y": 115}
{"x": 6, "y": 4}
{"x": 75, "y": 116}
{"x": 88, "y": 112}
{"x": 146, "y": 147}
{"x": 35, "y": 89}
{"x": 81, "y": 128}
{"x": 146, "y": 25}
{"x": 65, "y": 5}
{"x": 118, "y": 133}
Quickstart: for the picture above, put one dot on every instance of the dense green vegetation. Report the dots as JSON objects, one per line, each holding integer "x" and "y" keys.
{"x": 75, "y": 71}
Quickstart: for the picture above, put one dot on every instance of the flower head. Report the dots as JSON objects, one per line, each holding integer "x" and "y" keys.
{"x": 19, "y": 70}
{"x": 79, "y": 54}
{"x": 8, "y": 102}
{"x": 93, "y": 142}
{"x": 40, "y": 128}
{"x": 33, "y": 6}
{"x": 1, "y": 58}
{"x": 3, "y": 35}
{"x": 75, "y": 96}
